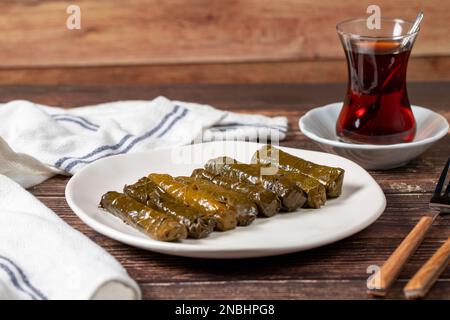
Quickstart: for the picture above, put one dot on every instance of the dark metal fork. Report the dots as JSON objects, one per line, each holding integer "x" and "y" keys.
{"x": 441, "y": 198}
{"x": 424, "y": 279}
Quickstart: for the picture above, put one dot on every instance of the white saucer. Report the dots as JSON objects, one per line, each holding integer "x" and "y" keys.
{"x": 319, "y": 124}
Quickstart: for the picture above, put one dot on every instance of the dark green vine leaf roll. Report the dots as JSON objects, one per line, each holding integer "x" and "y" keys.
{"x": 287, "y": 191}
{"x": 245, "y": 208}
{"x": 226, "y": 217}
{"x": 267, "y": 201}
{"x": 153, "y": 223}
{"x": 314, "y": 190}
{"x": 147, "y": 192}
{"x": 332, "y": 178}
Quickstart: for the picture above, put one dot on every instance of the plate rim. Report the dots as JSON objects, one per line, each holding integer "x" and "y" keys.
{"x": 198, "y": 252}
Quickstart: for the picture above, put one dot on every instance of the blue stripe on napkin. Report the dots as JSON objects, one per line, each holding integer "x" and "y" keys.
{"x": 59, "y": 163}
{"x": 76, "y": 119}
{"x": 27, "y": 287}
{"x": 241, "y": 124}
{"x": 227, "y": 127}
{"x": 77, "y": 122}
{"x": 182, "y": 115}
{"x": 88, "y": 158}
{"x": 134, "y": 142}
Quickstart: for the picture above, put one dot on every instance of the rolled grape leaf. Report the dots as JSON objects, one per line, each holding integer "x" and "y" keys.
{"x": 226, "y": 217}
{"x": 330, "y": 177}
{"x": 153, "y": 223}
{"x": 267, "y": 201}
{"x": 290, "y": 195}
{"x": 246, "y": 209}
{"x": 198, "y": 225}
{"x": 314, "y": 190}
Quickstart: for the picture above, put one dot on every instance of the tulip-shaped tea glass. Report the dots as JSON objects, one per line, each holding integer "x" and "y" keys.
{"x": 376, "y": 107}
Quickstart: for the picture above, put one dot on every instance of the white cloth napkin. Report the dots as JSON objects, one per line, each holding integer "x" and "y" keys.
{"x": 42, "y": 257}
{"x": 47, "y": 140}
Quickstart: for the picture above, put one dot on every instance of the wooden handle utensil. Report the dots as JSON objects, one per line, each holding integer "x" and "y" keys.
{"x": 424, "y": 279}
{"x": 381, "y": 281}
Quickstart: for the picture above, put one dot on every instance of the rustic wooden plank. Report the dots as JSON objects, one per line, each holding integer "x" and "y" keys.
{"x": 333, "y": 263}
{"x": 346, "y": 259}
{"x": 250, "y": 97}
{"x": 226, "y": 96}
{"x": 334, "y": 271}
{"x": 151, "y": 31}
{"x": 311, "y": 71}
{"x": 276, "y": 290}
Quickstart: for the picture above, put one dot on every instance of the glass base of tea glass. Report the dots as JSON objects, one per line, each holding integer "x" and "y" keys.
{"x": 376, "y": 107}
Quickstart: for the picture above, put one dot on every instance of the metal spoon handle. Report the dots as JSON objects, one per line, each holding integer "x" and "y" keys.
{"x": 414, "y": 28}
{"x": 416, "y": 24}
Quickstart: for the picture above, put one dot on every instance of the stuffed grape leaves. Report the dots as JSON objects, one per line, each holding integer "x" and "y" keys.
{"x": 153, "y": 223}
{"x": 332, "y": 178}
{"x": 267, "y": 201}
{"x": 246, "y": 209}
{"x": 314, "y": 190}
{"x": 225, "y": 216}
{"x": 290, "y": 195}
{"x": 198, "y": 225}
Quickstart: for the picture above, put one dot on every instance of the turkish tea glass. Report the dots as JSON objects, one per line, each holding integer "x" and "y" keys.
{"x": 376, "y": 107}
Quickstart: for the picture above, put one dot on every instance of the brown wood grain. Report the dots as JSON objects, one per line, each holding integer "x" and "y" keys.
{"x": 425, "y": 278}
{"x": 289, "y": 99}
{"x": 334, "y": 271}
{"x": 266, "y": 290}
{"x": 140, "y": 32}
{"x": 311, "y": 71}
{"x": 383, "y": 279}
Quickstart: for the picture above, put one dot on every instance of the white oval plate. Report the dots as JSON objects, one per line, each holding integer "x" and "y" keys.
{"x": 361, "y": 203}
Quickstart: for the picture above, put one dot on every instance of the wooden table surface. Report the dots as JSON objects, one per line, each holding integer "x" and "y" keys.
{"x": 334, "y": 271}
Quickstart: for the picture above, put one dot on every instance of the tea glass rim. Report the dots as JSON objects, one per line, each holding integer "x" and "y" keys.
{"x": 341, "y": 32}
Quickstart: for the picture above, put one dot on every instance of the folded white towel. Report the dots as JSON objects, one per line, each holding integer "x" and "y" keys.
{"x": 41, "y": 257}
{"x": 56, "y": 140}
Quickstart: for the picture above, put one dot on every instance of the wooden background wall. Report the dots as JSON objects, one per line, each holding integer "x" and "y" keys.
{"x": 200, "y": 41}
